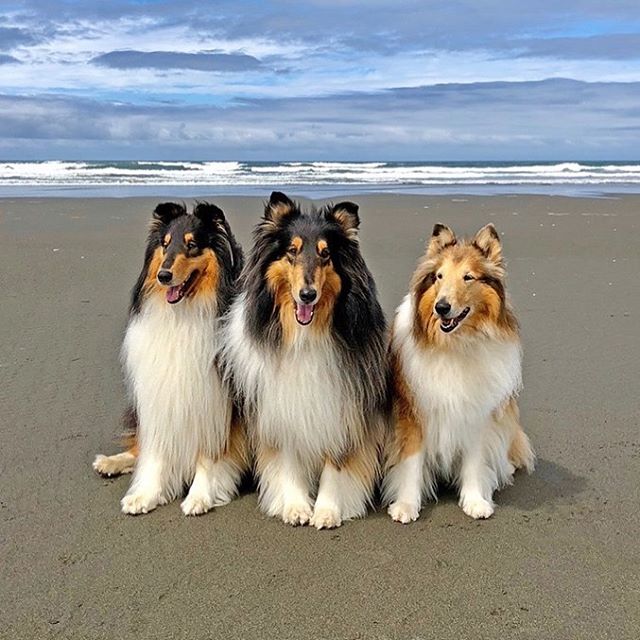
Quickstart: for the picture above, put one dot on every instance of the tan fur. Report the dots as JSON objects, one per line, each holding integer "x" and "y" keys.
{"x": 119, "y": 463}
{"x": 480, "y": 258}
{"x": 262, "y": 455}
{"x": 285, "y": 276}
{"x": 407, "y": 435}
{"x": 183, "y": 266}
{"x": 507, "y": 418}
{"x": 237, "y": 447}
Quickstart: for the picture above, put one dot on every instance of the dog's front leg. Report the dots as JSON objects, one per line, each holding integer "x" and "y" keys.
{"x": 216, "y": 481}
{"x": 477, "y": 480}
{"x": 346, "y": 487}
{"x": 283, "y": 485}
{"x": 147, "y": 490}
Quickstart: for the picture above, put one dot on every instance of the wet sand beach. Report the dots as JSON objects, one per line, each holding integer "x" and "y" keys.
{"x": 560, "y": 559}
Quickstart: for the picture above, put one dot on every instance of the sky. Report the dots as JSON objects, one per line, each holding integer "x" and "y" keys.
{"x": 321, "y": 80}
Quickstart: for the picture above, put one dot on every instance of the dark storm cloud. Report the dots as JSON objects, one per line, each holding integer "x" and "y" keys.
{"x": 174, "y": 60}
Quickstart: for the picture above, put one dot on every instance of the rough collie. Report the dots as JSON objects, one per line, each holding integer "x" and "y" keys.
{"x": 181, "y": 411}
{"x": 456, "y": 367}
{"x": 305, "y": 348}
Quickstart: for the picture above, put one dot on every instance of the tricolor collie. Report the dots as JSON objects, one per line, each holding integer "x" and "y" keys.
{"x": 181, "y": 410}
{"x": 305, "y": 347}
{"x": 456, "y": 365}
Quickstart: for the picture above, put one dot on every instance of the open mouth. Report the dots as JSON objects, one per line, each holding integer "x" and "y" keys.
{"x": 304, "y": 313}
{"x": 450, "y": 324}
{"x": 179, "y": 291}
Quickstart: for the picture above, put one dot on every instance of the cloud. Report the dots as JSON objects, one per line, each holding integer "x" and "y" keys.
{"x": 617, "y": 46}
{"x": 129, "y": 59}
{"x": 324, "y": 78}
{"x": 551, "y": 119}
{"x": 11, "y": 37}
{"x": 5, "y": 59}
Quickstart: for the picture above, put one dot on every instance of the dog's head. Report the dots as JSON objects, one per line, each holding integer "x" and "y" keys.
{"x": 459, "y": 287}
{"x": 188, "y": 252}
{"x": 301, "y": 253}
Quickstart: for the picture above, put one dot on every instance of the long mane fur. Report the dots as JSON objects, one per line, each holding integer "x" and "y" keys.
{"x": 358, "y": 326}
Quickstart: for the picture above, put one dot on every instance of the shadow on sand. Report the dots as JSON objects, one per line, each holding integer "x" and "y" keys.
{"x": 550, "y": 483}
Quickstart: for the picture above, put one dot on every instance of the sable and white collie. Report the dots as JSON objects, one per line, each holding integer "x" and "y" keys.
{"x": 456, "y": 367}
{"x": 181, "y": 411}
{"x": 305, "y": 347}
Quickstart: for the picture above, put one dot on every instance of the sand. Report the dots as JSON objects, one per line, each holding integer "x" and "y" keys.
{"x": 560, "y": 559}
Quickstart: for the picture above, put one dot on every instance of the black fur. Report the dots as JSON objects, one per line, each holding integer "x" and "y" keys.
{"x": 210, "y": 229}
{"x": 358, "y": 323}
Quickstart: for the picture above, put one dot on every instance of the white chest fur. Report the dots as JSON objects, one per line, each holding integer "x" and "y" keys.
{"x": 297, "y": 395}
{"x": 168, "y": 354}
{"x": 456, "y": 390}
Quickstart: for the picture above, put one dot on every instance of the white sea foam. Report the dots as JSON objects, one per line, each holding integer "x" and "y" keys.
{"x": 189, "y": 173}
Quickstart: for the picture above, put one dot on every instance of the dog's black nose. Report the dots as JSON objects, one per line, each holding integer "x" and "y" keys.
{"x": 443, "y": 307}
{"x": 308, "y": 295}
{"x": 165, "y": 276}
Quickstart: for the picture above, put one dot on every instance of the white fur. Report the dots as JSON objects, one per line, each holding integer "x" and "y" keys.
{"x": 301, "y": 405}
{"x": 457, "y": 389}
{"x": 341, "y": 496}
{"x": 183, "y": 408}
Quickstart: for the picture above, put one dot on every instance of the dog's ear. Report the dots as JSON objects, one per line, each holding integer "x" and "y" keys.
{"x": 279, "y": 207}
{"x": 488, "y": 242}
{"x": 208, "y": 213}
{"x": 441, "y": 237}
{"x": 165, "y": 212}
{"x": 346, "y": 215}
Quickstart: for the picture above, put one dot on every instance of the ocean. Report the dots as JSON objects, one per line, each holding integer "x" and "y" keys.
{"x": 314, "y": 179}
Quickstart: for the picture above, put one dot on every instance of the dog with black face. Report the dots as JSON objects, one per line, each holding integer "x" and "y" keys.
{"x": 305, "y": 348}
{"x": 182, "y": 430}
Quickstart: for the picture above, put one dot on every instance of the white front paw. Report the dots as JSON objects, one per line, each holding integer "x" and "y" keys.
{"x": 403, "y": 512}
{"x": 477, "y": 507}
{"x": 296, "y": 513}
{"x": 326, "y": 518}
{"x": 195, "y": 505}
{"x": 140, "y": 502}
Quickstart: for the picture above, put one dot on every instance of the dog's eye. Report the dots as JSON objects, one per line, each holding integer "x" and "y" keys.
{"x": 191, "y": 245}
{"x": 292, "y": 251}
{"x": 439, "y": 276}
{"x": 468, "y": 277}
{"x": 324, "y": 253}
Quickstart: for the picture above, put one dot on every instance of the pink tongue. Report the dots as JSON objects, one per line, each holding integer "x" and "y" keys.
{"x": 173, "y": 294}
{"x": 304, "y": 313}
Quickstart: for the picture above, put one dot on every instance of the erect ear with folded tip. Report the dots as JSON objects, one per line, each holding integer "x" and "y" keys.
{"x": 346, "y": 215}
{"x": 208, "y": 213}
{"x": 441, "y": 237}
{"x": 488, "y": 242}
{"x": 279, "y": 207}
{"x": 168, "y": 211}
